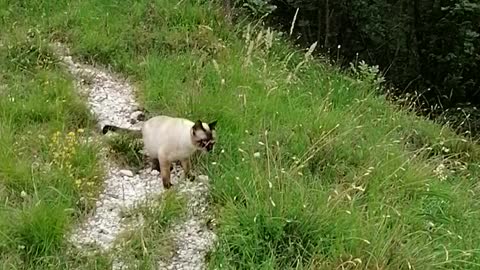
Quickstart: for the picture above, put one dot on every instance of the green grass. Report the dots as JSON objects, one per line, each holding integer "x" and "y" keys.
{"x": 343, "y": 177}
{"x": 126, "y": 148}
{"x": 48, "y": 177}
{"x": 152, "y": 242}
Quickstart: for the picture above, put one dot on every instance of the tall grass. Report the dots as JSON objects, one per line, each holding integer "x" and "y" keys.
{"x": 313, "y": 168}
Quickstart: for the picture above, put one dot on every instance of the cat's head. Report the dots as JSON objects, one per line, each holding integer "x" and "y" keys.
{"x": 204, "y": 135}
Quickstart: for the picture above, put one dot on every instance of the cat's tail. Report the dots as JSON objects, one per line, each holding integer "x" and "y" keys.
{"x": 112, "y": 128}
{"x": 137, "y": 116}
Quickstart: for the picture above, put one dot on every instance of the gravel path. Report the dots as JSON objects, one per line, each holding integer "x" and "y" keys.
{"x": 112, "y": 101}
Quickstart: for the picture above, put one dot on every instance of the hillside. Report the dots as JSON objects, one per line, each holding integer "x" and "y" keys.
{"x": 313, "y": 168}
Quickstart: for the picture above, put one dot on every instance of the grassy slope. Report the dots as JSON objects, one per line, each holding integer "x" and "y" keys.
{"x": 342, "y": 176}
{"x": 48, "y": 178}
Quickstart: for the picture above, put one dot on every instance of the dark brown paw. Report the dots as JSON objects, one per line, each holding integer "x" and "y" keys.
{"x": 167, "y": 185}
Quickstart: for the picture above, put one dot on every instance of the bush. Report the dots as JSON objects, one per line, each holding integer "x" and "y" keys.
{"x": 429, "y": 47}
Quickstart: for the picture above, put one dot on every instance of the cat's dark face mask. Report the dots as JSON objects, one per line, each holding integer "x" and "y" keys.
{"x": 206, "y": 141}
{"x": 207, "y": 145}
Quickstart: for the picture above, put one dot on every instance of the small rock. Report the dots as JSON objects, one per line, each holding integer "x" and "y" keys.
{"x": 154, "y": 172}
{"x": 126, "y": 173}
{"x": 203, "y": 177}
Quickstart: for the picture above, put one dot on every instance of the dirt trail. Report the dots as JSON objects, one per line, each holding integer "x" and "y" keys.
{"x": 112, "y": 101}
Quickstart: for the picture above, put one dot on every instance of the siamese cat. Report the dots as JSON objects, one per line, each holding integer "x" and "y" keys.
{"x": 168, "y": 139}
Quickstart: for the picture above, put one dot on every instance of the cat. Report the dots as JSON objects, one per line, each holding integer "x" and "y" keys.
{"x": 169, "y": 139}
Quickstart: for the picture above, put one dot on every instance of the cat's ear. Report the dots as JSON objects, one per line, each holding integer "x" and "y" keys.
{"x": 198, "y": 131}
{"x": 212, "y": 125}
{"x": 198, "y": 125}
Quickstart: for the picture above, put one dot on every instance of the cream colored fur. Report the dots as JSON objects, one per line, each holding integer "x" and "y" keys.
{"x": 168, "y": 139}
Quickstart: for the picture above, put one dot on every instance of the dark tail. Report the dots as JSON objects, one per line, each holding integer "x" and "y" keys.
{"x": 108, "y": 128}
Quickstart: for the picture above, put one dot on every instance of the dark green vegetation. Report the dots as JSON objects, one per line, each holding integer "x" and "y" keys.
{"x": 430, "y": 48}
{"x": 317, "y": 171}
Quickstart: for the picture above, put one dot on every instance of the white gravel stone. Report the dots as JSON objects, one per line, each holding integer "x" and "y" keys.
{"x": 136, "y": 116}
{"x": 126, "y": 173}
{"x": 112, "y": 101}
{"x": 203, "y": 178}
